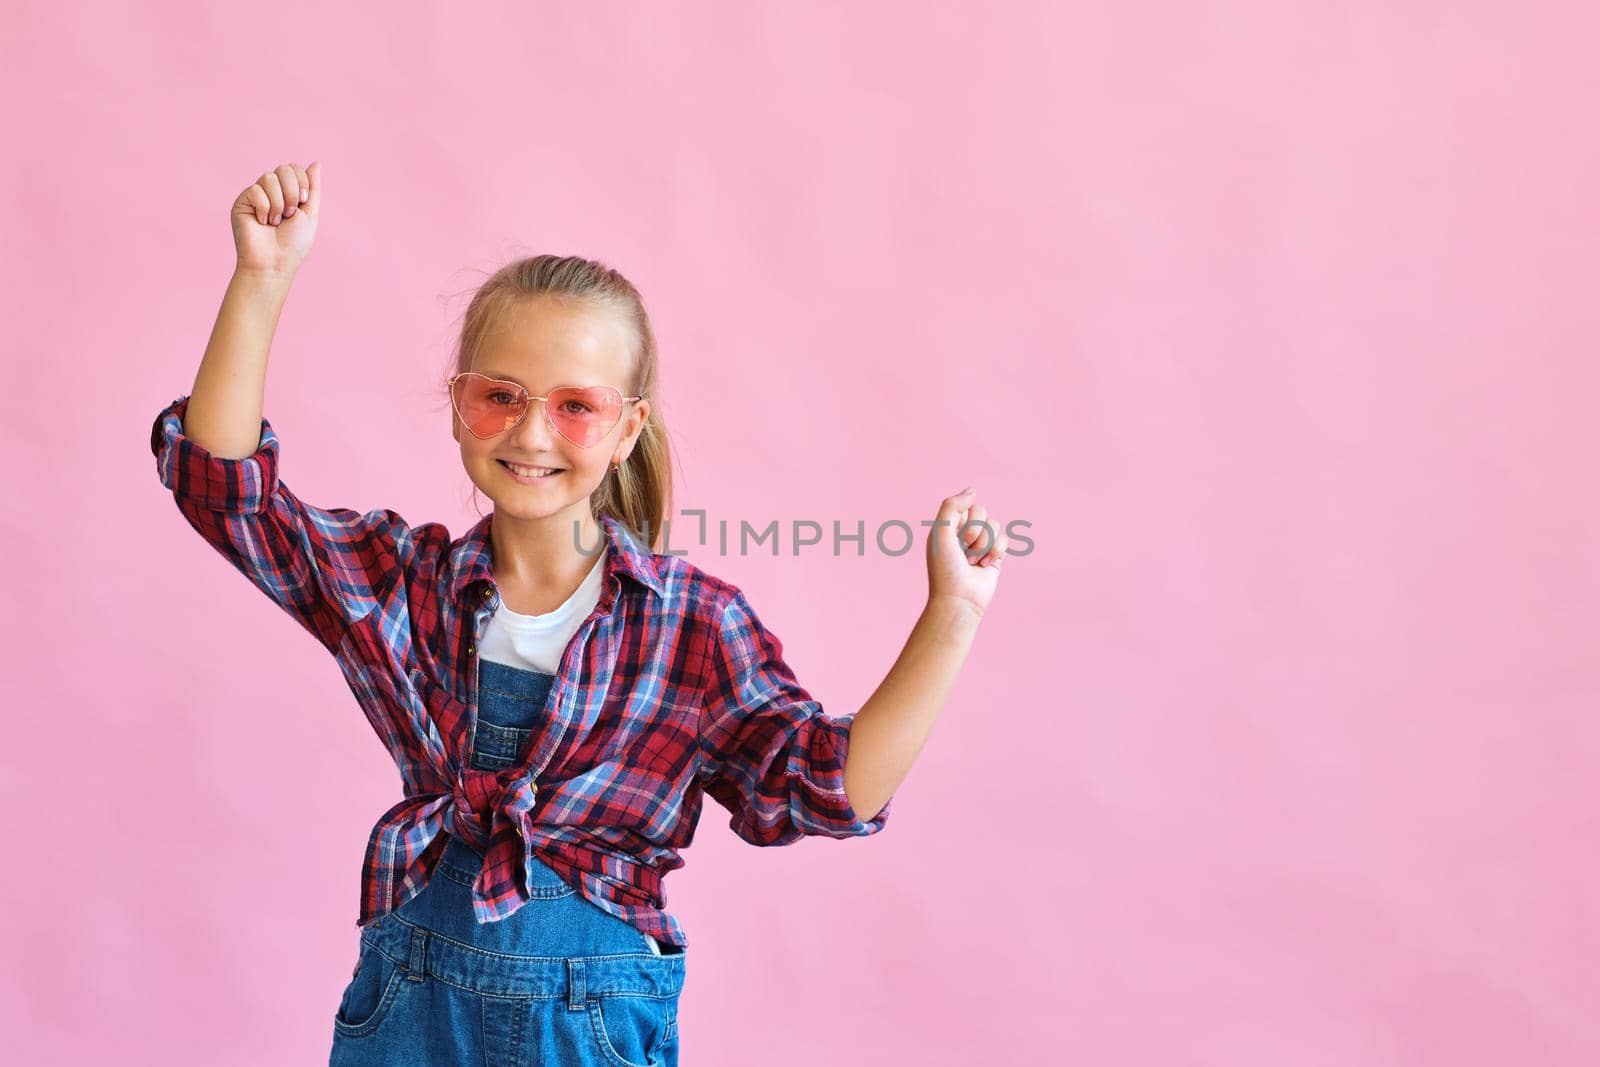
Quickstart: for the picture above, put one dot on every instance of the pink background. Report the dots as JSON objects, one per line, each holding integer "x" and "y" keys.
{"x": 1276, "y": 321}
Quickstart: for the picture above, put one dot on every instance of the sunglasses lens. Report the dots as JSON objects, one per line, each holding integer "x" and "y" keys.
{"x": 487, "y": 407}
{"x": 584, "y": 416}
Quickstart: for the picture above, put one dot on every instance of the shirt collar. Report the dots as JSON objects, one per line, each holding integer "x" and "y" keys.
{"x": 470, "y": 559}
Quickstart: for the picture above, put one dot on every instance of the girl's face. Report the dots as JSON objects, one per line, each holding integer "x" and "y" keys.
{"x": 544, "y": 345}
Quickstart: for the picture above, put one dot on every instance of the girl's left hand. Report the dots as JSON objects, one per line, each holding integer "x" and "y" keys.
{"x": 965, "y": 552}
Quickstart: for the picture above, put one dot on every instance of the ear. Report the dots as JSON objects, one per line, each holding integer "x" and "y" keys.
{"x": 636, "y": 420}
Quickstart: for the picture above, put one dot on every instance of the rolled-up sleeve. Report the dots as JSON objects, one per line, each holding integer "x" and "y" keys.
{"x": 326, "y": 567}
{"x": 769, "y": 754}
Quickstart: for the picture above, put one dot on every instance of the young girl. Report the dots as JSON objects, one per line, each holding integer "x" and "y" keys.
{"x": 557, "y": 695}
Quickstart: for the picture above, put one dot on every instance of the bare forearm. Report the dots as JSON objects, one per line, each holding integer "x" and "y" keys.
{"x": 224, "y": 412}
{"x": 889, "y": 731}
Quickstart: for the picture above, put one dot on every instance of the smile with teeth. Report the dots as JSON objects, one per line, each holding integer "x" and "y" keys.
{"x": 529, "y": 474}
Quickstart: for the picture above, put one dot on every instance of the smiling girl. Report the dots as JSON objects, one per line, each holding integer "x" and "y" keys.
{"x": 558, "y": 696}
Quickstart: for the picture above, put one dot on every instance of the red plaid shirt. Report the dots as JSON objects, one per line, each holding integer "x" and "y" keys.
{"x": 670, "y": 689}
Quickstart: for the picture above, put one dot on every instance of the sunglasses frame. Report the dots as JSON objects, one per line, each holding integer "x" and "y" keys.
{"x": 528, "y": 405}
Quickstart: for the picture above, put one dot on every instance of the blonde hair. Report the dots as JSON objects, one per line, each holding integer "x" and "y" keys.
{"x": 638, "y": 494}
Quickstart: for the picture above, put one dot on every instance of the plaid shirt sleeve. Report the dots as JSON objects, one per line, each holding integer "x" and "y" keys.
{"x": 769, "y": 754}
{"x": 325, "y": 567}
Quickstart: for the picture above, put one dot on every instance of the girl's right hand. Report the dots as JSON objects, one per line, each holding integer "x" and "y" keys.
{"x": 275, "y": 219}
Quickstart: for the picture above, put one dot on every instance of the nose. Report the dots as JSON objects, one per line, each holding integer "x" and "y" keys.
{"x": 533, "y": 435}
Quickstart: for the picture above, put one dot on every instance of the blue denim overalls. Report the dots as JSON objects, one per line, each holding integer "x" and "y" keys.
{"x": 559, "y": 981}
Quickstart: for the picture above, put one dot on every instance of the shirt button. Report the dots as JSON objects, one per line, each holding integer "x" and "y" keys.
{"x": 471, "y": 649}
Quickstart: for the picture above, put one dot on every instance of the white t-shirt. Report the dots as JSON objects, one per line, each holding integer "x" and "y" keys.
{"x": 537, "y": 642}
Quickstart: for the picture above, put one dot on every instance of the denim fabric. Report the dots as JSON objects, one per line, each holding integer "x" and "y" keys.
{"x": 559, "y": 981}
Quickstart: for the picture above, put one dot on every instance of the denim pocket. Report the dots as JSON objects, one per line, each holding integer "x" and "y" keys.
{"x": 497, "y": 747}
{"x": 372, "y": 991}
{"x": 633, "y": 1031}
